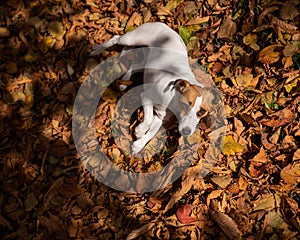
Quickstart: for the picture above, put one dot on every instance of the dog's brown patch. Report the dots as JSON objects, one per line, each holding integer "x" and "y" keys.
{"x": 189, "y": 92}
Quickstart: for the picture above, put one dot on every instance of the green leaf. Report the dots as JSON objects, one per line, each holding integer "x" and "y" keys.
{"x": 185, "y": 33}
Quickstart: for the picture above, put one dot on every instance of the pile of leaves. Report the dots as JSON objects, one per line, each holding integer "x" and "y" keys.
{"x": 250, "y": 48}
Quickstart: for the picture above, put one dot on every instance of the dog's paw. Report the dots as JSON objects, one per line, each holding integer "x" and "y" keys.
{"x": 97, "y": 50}
{"x": 141, "y": 130}
{"x": 137, "y": 147}
{"x": 122, "y": 87}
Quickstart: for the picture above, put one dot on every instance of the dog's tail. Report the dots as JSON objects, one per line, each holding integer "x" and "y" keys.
{"x": 98, "y": 49}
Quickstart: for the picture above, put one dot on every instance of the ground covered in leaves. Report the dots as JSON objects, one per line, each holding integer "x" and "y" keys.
{"x": 250, "y": 48}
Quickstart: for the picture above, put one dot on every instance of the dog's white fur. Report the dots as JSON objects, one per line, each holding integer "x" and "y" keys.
{"x": 158, "y": 35}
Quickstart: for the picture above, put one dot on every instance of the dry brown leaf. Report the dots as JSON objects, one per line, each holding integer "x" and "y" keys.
{"x": 197, "y": 21}
{"x": 261, "y": 156}
{"x": 30, "y": 202}
{"x": 287, "y": 62}
{"x": 227, "y": 29}
{"x": 140, "y": 231}
{"x": 290, "y": 49}
{"x": 296, "y": 155}
{"x": 188, "y": 179}
{"x": 222, "y": 181}
{"x": 266, "y": 12}
{"x": 227, "y": 224}
{"x": 172, "y": 4}
{"x": 268, "y": 55}
{"x": 278, "y": 118}
{"x": 291, "y": 174}
{"x": 283, "y": 26}
{"x": 146, "y": 15}
{"x": 267, "y": 202}
{"x": 289, "y": 11}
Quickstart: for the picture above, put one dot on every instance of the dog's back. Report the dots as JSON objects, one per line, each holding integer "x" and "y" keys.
{"x": 154, "y": 35}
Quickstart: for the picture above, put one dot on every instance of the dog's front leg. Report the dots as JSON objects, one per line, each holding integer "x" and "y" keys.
{"x": 139, "y": 144}
{"x": 144, "y": 126}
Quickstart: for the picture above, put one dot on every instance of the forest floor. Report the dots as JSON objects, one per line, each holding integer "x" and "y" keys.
{"x": 250, "y": 50}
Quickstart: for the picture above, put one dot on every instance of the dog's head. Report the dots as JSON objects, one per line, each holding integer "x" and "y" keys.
{"x": 190, "y": 105}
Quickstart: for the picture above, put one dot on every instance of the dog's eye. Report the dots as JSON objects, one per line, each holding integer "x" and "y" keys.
{"x": 185, "y": 106}
{"x": 201, "y": 112}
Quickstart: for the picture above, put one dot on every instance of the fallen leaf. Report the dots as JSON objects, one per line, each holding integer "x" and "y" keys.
{"x": 256, "y": 169}
{"x": 283, "y": 26}
{"x": 227, "y": 29}
{"x": 30, "y": 57}
{"x": 31, "y": 202}
{"x": 4, "y": 32}
{"x": 268, "y": 54}
{"x": 290, "y": 49}
{"x": 11, "y": 67}
{"x": 289, "y": 87}
{"x": 245, "y": 80}
{"x": 291, "y": 174}
{"x": 278, "y": 118}
{"x": 172, "y": 4}
{"x": 188, "y": 180}
{"x": 109, "y": 95}
{"x": 287, "y": 62}
{"x": 289, "y": 11}
{"x": 197, "y": 21}
{"x": 140, "y": 231}
{"x": 227, "y": 224}
{"x": 261, "y": 156}
{"x": 183, "y": 214}
{"x": 230, "y": 147}
{"x": 249, "y": 39}
{"x": 56, "y": 29}
{"x": 222, "y": 181}
{"x": 185, "y": 33}
{"x": 267, "y": 203}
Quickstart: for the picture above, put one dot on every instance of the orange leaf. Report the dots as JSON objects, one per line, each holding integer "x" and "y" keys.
{"x": 268, "y": 54}
{"x": 279, "y": 118}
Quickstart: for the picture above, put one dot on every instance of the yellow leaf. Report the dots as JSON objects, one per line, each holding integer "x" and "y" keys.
{"x": 109, "y": 96}
{"x": 30, "y": 57}
{"x": 172, "y": 4}
{"x": 56, "y": 29}
{"x": 230, "y": 147}
{"x": 290, "y": 86}
{"x": 49, "y": 42}
{"x": 250, "y": 39}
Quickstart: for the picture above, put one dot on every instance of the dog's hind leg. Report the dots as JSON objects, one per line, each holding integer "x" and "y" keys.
{"x": 139, "y": 144}
{"x": 98, "y": 49}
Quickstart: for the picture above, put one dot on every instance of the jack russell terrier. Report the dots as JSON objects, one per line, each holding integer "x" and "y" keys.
{"x": 179, "y": 92}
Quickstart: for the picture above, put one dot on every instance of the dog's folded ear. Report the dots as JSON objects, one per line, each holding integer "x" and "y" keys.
{"x": 181, "y": 85}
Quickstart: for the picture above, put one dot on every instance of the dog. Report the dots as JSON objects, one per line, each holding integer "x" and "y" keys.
{"x": 181, "y": 94}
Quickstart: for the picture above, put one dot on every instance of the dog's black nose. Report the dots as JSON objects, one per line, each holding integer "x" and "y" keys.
{"x": 186, "y": 131}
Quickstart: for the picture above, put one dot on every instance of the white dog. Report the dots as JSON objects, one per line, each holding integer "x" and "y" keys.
{"x": 172, "y": 82}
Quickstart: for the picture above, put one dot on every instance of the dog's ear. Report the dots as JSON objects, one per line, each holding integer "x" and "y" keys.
{"x": 180, "y": 85}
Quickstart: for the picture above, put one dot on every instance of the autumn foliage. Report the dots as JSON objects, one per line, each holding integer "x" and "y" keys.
{"x": 250, "y": 49}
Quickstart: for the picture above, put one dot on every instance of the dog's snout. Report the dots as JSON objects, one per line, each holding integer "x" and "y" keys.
{"x": 186, "y": 131}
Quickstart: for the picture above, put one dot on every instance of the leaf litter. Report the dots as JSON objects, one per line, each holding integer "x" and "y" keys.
{"x": 251, "y": 50}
